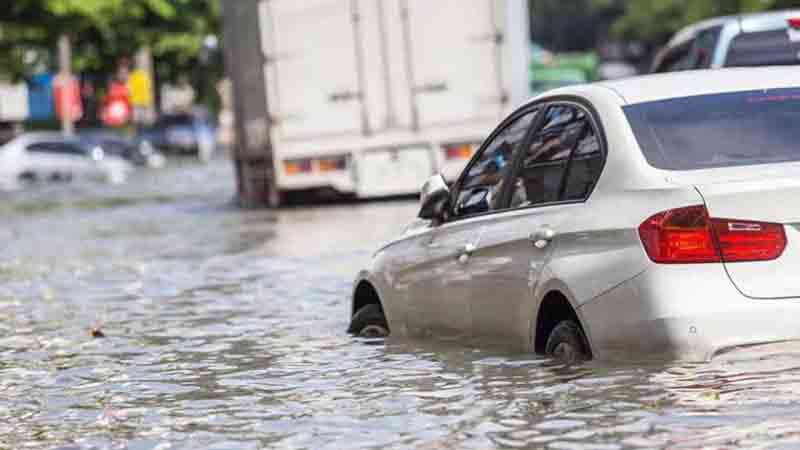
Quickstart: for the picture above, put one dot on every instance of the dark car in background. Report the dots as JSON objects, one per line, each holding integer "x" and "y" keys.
{"x": 762, "y": 39}
{"x": 190, "y": 133}
{"x": 137, "y": 151}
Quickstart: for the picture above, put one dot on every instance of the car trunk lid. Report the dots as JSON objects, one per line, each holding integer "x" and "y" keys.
{"x": 767, "y": 200}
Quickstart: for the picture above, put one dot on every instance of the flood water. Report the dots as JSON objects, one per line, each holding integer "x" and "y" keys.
{"x": 224, "y": 329}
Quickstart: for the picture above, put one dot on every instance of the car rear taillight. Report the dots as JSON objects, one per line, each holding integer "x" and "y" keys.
{"x": 458, "y": 151}
{"x": 679, "y": 236}
{"x": 689, "y": 236}
{"x": 741, "y": 240}
{"x": 794, "y": 22}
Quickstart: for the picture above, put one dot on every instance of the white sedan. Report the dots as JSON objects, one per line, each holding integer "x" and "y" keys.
{"x": 52, "y": 157}
{"x": 654, "y": 217}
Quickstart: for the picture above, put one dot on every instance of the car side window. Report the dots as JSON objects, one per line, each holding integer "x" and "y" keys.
{"x": 72, "y": 149}
{"x": 60, "y": 148}
{"x": 563, "y": 161}
{"x": 676, "y": 59}
{"x": 703, "y": 48}
{"x": 762, "y": 48}
{"x": 39, "y": 147}
{"x": 481, "y": 186}
{"x": 585, "y": 165}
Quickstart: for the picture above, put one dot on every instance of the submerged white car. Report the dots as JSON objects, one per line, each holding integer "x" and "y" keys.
{"x": 52, "y": 157}
{"x": 652, "y": 217}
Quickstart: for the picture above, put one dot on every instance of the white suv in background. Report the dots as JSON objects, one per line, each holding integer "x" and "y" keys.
{"x": 762, "y": 39}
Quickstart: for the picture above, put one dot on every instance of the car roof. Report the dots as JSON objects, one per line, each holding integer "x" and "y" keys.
{"x": 48, "y": 135}
{"x": 767, "y": 21}
{"x": 662, "y": 86}
{"x": 691, "y": 31}
{"x": 35, "y": 137}
{"x": 99, "y": 133}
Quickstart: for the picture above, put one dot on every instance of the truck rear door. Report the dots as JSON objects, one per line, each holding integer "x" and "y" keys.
{"x": 313, "y": 67}
{"x": 454, "y": 56}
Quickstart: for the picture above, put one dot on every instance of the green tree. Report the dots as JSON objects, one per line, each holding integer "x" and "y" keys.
{"x": 656, "y": 21}
{"x": 573, "y": 25}
{"x": 103, "y": 31}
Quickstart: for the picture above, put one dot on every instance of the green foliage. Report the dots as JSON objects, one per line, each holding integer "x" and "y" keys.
{"x": 572, "y": 25}
{"x": 103, "y": 31}
{"x": 580, "y": 25}
{"x": 656, "y": 21}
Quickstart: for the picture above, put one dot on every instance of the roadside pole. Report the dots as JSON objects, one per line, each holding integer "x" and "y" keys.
{"x": 518, "y": 34}
{"x": 65, "y": 74}
{"x": 141, "y": 87}
{"x": 244, "y": 64}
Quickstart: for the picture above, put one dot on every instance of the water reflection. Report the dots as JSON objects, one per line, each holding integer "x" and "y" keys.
{"x": 224, "y": 330}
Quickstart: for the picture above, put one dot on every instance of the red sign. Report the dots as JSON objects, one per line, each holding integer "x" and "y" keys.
{"x": 117, "y": 110}
{"x": 67, "y": 96}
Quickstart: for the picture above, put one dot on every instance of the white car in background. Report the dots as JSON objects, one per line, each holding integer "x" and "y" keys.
{"x": 652, "y": 217}
{"x": 759, "y": 39}
{"x": 51, "y": 157}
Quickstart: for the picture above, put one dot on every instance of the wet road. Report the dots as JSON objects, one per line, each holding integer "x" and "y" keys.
{"x": 225, "y": 330}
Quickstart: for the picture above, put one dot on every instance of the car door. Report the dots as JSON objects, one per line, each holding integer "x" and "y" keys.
{"x": 74, "y": 158}
{"x": 553, "y": 175}
{"x": 439, "y": 303}
{"x": 43, "y": 162}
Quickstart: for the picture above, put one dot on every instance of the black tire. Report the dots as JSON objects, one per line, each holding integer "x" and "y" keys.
{"x": 567, "y": 342}
{"x": 369, "y": 321}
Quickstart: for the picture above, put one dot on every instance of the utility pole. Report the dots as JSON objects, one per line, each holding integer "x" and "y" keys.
{"x": 244, "y": 64}
{"x": 65, "y": 74}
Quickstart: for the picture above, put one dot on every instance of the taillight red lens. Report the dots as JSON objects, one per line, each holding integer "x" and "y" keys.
{"x": 679, "y": 236}
{"x": 741, "y": 240}
{"x": 688, "y": 236}
{"x": 794, "y": 22}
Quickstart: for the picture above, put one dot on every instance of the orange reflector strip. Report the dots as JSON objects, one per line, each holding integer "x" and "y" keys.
{"x": 463, "y": 151}
{"x": 332, "y": 164}
{"x": 298, "y": 166}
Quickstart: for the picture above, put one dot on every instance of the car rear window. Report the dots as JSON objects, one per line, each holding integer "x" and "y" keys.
{"x": 764, "y": 48}
{"x": 720, "y": 130}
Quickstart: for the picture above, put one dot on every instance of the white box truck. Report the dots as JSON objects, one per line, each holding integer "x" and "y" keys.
{"x": 370, "y": 97}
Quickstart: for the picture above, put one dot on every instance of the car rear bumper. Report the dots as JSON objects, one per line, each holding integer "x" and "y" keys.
{"x": 686, "y": 312}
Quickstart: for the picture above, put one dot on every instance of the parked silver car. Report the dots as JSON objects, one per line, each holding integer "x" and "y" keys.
{"x": 46, "y": 156}
{"x": 759, "y": 39}
{"x": 652, "y": 217}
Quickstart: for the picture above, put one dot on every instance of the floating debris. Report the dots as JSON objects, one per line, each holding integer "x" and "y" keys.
{"x": 96, "y": 332}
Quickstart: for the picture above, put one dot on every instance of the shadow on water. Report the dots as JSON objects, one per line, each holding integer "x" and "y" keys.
{"x": 225, "y": 329}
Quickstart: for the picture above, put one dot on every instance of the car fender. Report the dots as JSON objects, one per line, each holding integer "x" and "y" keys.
{"x": 381, "y": 273}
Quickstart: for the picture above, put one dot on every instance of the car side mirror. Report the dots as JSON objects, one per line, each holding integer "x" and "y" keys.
{"x": 434, "y": 198}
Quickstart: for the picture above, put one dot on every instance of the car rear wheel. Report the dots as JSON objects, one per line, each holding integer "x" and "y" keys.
{"x": 567, "y": 342}
{"x": 369, "y": 322}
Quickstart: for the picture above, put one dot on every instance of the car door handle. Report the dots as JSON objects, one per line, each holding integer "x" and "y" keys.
{"x": 542, "y": 237}
{"x": 466, "y": 251}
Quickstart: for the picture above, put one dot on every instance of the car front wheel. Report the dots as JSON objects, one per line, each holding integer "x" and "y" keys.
{"x": 369, "y": 322}
{"x": 567, "y": 342}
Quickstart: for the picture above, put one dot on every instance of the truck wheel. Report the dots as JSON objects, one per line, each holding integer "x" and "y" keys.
{"x": 567, "y": 342}
{"x": 369, "y": 322}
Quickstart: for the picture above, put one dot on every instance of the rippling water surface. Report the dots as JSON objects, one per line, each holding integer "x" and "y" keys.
{"x": 224, "y": 330}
